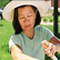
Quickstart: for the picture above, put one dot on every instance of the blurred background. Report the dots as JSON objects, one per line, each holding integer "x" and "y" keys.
{"x": 51, "y": 20}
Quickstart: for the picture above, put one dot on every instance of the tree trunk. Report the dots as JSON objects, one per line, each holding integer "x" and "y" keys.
{"x": 56, "y": 18}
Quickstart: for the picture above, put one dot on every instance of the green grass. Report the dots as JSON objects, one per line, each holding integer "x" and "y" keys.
{"x": 6, "y": 30}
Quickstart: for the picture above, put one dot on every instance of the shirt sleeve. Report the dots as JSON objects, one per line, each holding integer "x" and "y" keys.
{"x": 14, "y": 40}
{"x": 45, "y": 33}
{"x": 48, "y": 34}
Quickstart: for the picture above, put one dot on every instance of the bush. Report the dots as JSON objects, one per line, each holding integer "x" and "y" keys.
{"x": 50, "y": 20}
{"x": 44, "y": 20}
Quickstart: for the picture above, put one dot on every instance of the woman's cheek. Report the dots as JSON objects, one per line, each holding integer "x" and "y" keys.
{"x": 21, "y": 23}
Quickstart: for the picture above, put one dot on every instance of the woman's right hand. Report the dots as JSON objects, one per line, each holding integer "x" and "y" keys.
{"x": 49, "y": 48}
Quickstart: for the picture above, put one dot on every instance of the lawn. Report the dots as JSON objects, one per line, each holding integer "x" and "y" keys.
{"x": 6, "y": 30}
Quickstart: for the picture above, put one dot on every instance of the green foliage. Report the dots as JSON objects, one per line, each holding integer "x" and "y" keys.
{"x": 6, "y": 30}
{"x": 3, "y": 3}
{"x": 44, "y": 19}
{"x": 50, "y": 19}
{"x": 47, "y": 58}
{"x": 57, "y": 55}
{"x": 59, "y": 19}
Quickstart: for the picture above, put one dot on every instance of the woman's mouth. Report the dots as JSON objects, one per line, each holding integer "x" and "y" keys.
{"x": 27, "y": 26}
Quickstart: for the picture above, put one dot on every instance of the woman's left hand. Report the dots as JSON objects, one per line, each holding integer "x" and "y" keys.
{"x": 51, "y": 48}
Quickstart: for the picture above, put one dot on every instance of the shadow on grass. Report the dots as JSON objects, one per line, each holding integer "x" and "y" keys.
{"x": 5, "y": 48}
{"x": 1, "y": 25}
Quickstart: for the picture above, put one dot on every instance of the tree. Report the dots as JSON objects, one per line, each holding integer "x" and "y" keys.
{"x": 56, "y": 18}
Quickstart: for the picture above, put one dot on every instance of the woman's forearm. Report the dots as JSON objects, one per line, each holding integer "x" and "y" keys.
{"x": 58, "y": 47}
{"x": 56, "y": 42}
{"x": 24, "y": 57}
{"x": 17, "y": 54}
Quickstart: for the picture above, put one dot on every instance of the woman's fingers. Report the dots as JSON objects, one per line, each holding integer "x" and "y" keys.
{"x": 49, "y": 48}
{"x": 50, "y": 51}
{"x": 46, "y": 42}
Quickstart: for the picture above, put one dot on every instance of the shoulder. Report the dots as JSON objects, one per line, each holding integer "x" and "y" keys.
{"x": 41, "y": 28}
{"x": 16, "y": 36}
{"x": 15, "y": 39}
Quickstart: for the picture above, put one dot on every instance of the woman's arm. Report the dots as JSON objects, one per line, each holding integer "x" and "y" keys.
{"x": 17, "y": 54}
{"x": 56, "y": 42}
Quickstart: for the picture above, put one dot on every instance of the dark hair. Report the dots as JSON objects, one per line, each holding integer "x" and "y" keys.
{"x": 16, "y": 24}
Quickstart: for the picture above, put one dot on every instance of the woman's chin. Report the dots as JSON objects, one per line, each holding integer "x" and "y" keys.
{"x": 27, "y": 29}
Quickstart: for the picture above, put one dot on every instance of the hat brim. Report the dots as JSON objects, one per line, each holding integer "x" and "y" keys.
{"x": 8, "y": 11}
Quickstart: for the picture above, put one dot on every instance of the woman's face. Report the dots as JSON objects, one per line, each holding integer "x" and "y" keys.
{"x": 26, "y": 17}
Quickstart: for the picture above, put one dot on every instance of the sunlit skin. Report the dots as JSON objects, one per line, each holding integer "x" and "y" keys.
{"x": 26, "y": 17}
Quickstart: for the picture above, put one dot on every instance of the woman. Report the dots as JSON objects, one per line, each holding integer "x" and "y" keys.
{"x": 25, "y": 43}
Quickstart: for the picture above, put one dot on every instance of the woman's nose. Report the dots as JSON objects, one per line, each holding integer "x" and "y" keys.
{"x": 26, "y": 20}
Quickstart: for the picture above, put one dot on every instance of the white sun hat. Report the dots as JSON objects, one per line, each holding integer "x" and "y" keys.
{"x": 8, "y": 12}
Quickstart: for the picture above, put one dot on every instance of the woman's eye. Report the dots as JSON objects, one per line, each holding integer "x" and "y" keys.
{"x": 29, "y": 15}
{"x": 21, "y": 17}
